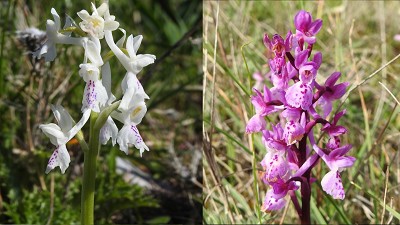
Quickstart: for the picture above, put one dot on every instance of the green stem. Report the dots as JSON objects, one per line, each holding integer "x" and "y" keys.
{"x": 97, "y": 121}
{"x": 81, "y": 139}
{"x": 89, "y": 174}
{"x": 106, "y": 57}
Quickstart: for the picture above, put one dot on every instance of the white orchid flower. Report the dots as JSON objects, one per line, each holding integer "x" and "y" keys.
{"x": 133, "y": 91}
{"x": 54, "y": 37}
{"x": 60, "y": 134}
{"x": 133, "y": 63}
{"x": 131, "y": 86}
{"x": 129, "y": 134}
{"x": 109, "y": 129}
{"x": 95, "y": 24}
{"x": 95, "y": 94}
{"x": 92, "y": 48}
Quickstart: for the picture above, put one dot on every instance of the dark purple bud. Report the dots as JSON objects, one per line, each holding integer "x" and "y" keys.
{"x": 302, "y": 20}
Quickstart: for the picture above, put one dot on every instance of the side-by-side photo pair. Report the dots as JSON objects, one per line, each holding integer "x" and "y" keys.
{"x": 199, "y": 112}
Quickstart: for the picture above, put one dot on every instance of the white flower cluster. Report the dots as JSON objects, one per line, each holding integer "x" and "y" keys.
{"x": 96, "y": 73}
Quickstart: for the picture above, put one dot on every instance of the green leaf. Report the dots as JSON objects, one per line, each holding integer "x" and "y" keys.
{"x": 159, "y": 220}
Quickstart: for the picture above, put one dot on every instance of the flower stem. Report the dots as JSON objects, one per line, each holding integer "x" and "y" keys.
{"x": 89, "y": 174}
{"x": 97, "y": 121}
{"x": 305, "y": 185}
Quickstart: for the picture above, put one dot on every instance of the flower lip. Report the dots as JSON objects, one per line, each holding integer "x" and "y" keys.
{"x": 332, "y": 184}
{"x": 299, "y": 95}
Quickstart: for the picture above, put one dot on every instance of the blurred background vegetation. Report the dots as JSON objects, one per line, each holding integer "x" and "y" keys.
{"x": 356, "y": 39}
{"x": 162, "y": 187}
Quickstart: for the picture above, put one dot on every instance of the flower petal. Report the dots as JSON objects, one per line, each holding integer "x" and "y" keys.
{"x": 332, "y": 184}
{"x": 92, "y": 51}
{"x": 94, "y": 96}
{"x": 138, "y": 112}
{"x": 111, "y": 25}
{"x": 344, "y": 161}
{"x": 141, "y": 61}
{"x": 129, "y": 89}
{"x": 276, "y": 166}
{"x": 78, "y": 126}
{"x": 340, "y": 151}
{"x": 56, "y": 17}
{"x": 256, "y": 124}
{"x": 339, "y": 90}
{"x": 83, "y": 14}
{"x": 315, "y": 26}
{"x": 133, "y": 44}
{"x": 326, "y": 105}
{"x": 272, "y": 202}
{"x": 60, "y": 157}
{"x": 109, "y": 130}
{"x": 331, "y": 80}
{"x": 54, "y": 132}
{"x": 317, "y": 59}
{"x": 121, "y": 41}
{"x": 299, "y": 95}
{"x": 293, "y": 132}
{"x": 102, "y": 9}
{"x": 124, "y": 59}
{"x": 291, "y": 113}
{"x": 302, "y": 20}
{"x": 129, "y": 134}
{"x": 301, "y": 58}
{"x": 267, "y": 41}
{"x": 106, "y": 78}
{"x": 63, "y": 118}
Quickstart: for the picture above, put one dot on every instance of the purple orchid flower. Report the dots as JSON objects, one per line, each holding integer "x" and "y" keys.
{"x": 272, "y": 202}
{"x": 275, "y": 166}
{"x": 275, "y": 197}
{"x": 279, "y": 75}
{"x": 332, "y": 128}
{"x": 299, "y": 95}
{"x": 277, "y": 45}
{"x": 306, "y": 29}
{"x": 294, "y": 128}
{"x": 295, "y": 94}
{"x": 336, "y": 160}
{"x": 274, "y": 139}
{"x": 308, "y": 70}
{"x": 264, "y": 106}
{"x": 331, "y": 92}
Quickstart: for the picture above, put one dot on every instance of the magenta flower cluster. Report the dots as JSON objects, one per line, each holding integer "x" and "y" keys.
{"x": 301, "y": 103}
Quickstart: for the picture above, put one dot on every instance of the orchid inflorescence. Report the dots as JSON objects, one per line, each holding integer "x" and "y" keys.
{"x": 96, "y": 73}
{"x": 301, "y": 103}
